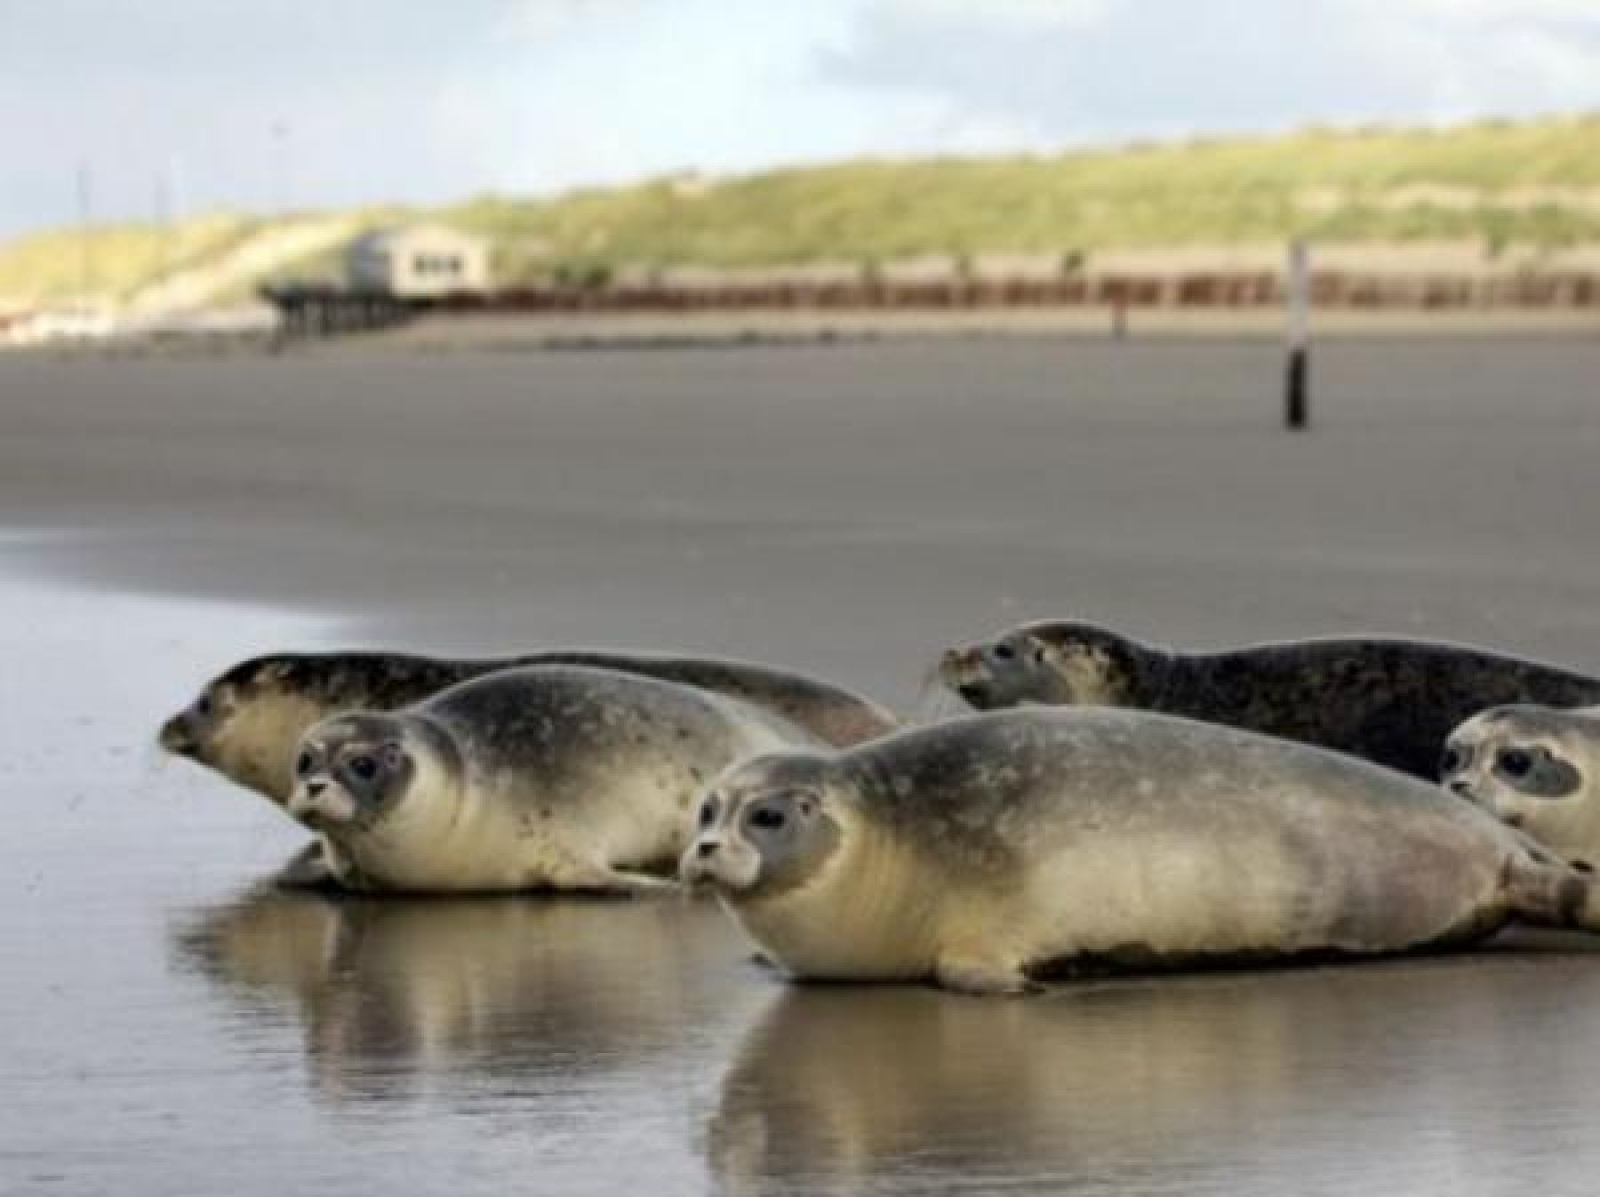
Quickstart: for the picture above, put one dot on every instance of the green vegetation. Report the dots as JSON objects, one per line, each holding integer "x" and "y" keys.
{"x": 114, "y": 261}
{"x": 1502, "y": 184}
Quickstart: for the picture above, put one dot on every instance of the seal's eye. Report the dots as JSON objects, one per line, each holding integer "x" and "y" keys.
{"x": 1514, "y": 762}
{"x": 303, "y": 763}
{"x": 769, "y": 819}
{"x": 364, "y": 767}
{"x": 203, "y": 706}
{"x": 1004, "y": 652}
{"x": 708, "y": 812}
{"x": 1451, "y": 760}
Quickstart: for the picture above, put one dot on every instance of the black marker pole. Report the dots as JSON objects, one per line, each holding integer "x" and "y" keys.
{"x": 1297, "y": 397}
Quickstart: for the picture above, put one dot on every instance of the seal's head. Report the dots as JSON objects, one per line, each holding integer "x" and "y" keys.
{"x": 765, "y": 828}
{"x": 354, "y": 769}
{"x": 245, "y": 722}
{"x": 1057, "y": 664}
{"x": 1535, "y": 768}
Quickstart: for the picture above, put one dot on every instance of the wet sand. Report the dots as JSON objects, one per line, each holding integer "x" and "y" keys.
{"x": 846, "y": 509}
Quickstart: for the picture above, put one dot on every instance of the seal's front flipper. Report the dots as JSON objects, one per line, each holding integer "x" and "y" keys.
{"x": 308, "y": 868}
{"x": 642, "y": 885}
{"x": 601, "y": 879}
{"x": 981, "y": 975}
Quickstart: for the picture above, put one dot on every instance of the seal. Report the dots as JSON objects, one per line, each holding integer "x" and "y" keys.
{"x": 245, "y": 723}
{"x": 1390, "y": 701}
{"x": 995, "y": 852}
{"x": 549, "y": 777}
{"x": 1537, "y": 768}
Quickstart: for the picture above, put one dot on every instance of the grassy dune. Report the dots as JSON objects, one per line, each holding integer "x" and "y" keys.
{"x": 1505, "y": 184}
{"x": 114, "y": 261}
{"x": 1534, "y": 183}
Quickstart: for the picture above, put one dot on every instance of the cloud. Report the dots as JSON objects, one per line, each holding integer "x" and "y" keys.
{"x": 1163, "y": 68}
{"x": 1024, "y": 14}
{"x": 424, "y": 102}
{"x": 1471, "y": 58}
{"x": 659, "y": 88}
{"x": 1508, "y": 10}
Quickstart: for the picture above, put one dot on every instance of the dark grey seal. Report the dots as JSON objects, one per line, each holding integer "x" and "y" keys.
{"x": 1387, "y": 700}
{"x": 246, "y": 722}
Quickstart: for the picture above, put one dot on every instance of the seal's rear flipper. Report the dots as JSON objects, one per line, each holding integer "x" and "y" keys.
{"x": 1546, "y": 891}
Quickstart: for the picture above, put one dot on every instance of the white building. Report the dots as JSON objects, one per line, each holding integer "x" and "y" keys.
{"x": 418, "y": 260}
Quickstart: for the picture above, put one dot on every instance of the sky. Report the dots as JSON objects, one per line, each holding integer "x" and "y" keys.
{"x": 265, "y": 105}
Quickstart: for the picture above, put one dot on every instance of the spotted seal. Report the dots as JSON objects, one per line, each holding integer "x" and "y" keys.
{"x": 999, "y": 850}
{"x": 245, "y": 723}
{"x": 1390, "y": 701}
{"x": 545, "y": 777}
{"x": 1538, "y": 768}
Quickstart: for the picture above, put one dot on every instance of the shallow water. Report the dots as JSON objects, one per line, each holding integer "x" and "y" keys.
{"x": 169, "y": 1028}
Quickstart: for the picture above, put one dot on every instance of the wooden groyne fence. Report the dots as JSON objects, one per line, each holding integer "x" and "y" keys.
{"x": 323, "y": 310}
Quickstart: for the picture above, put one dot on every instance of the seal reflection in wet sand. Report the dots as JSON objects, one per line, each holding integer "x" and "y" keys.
{"x": 1000, "y": 850}
{"x": 1389, "y": 701}
{"x": 1537, "y": 768}
{"x": 519, "y": 992}
{"x": 848, "y": 1090}
{"x": 551, "y": 777}
{"x": 246, "y": 722}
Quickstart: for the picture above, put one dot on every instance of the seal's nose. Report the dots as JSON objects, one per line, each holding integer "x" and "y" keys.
{"x": 175, "y": 736}
{"x": 306, "y": 803}
{"x": 705, "y": 848}
{"x": 1459, "y": 786}
{"x": 954, "y": 662}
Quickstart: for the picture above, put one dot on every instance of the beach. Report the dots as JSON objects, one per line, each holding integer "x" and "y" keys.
{"x": 847, "y": 509}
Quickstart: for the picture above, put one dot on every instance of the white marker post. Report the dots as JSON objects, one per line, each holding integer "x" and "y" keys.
{"x": 1297, "y": 400}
